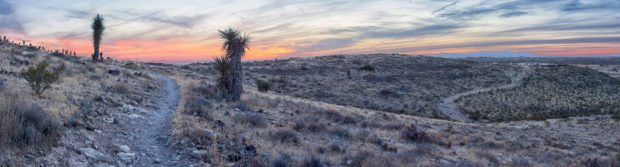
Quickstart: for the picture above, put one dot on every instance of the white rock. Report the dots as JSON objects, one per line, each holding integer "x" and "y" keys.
{"x": 124, "y": 148}
{"x": 126, "y": 156}
{"x": 200, "y": 153}
{"x": 93, "y": 154}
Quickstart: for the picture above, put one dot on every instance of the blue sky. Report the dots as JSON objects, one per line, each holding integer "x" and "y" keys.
{"x": 187, "y": 30}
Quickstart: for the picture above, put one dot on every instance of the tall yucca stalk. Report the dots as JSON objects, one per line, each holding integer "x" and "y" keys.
{"x": 235, "y": 45}
{"x": 224, "y": 83}
{"x": 98, "y": 28}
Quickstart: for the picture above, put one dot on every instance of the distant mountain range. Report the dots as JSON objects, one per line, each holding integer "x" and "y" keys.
{"x": 500, "y": 54}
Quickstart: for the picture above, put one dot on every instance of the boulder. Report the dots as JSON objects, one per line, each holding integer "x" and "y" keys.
{"x": 114, "y": 71}
{"x": 124, "y": 148}
{"x": 126, "y": 156}
{"x": 200, "y": 154}
{"x": 94, "y": 154}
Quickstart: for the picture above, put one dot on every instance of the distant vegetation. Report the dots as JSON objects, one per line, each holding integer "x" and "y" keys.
{"x": 262, "y": 85}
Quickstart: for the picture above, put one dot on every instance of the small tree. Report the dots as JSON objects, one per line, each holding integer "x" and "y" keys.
{"x": 98, "y": 28}
{"x": 41, "y": 79}
{"x": 224, "y": 82}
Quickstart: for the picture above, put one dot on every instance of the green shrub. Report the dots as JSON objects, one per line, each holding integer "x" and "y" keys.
{"x": 263, "y": 86}
{"x": 41, "y": 79}
{"x": 367, "y": 68}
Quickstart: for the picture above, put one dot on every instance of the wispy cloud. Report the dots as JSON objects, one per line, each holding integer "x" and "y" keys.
{"x": 312, "y": 27}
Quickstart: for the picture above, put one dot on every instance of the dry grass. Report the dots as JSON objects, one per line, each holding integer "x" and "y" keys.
{"x": 23, "y": 123}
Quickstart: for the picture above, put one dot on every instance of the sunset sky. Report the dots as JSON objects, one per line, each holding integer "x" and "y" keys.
{"x": 183, "y": 30}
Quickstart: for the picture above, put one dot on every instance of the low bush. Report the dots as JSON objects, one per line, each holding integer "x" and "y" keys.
{"x": 367, "y": 68}
{"x": 39, "y": 78}
{"x": 412, "y": 133}
{"x": 285, "y": 135}
{"x": 282, "y": 160}
{"x": 23, "y": 123}
{"x": 205, "y": 89}
{"x": 263, "y": 86}
{"x": 253, "y": 119}
{"x": 309, "y": 124}
{"x": 120, "y": 87}
{"x": 198, "y": 106}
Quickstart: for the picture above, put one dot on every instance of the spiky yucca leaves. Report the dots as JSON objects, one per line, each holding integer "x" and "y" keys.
{"x": 39, "y": 78}
{"x": 224, "y": 82}
{"x": 98, "y": 28}
{"x": 235, "y": 45}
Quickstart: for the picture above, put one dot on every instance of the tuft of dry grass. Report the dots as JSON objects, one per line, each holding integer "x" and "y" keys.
{"x": 24, "y": 123}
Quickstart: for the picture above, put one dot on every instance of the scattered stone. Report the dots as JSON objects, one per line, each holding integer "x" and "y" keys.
{"x": 124, "y": 148}
{"x": 126, "y": 156}
{"x": 209, "y": 133}
{"x": 200, "y": 154}
{"x": 93, "y": 154}
{"x": 114, "y": 71}
{"x": 98, "y": 131}
{"x": 108, "y": 120}
{"x": 85, "y": 105}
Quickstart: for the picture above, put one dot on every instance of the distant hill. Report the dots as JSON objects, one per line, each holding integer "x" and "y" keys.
{"x": 494, "y": 54}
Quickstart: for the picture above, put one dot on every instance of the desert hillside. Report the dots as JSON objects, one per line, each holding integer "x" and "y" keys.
{"x": 345, "y": 110}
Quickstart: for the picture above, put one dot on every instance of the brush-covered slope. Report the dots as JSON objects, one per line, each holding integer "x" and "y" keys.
{"x": 548, "y": 92}
{"x": 394, "y": 83}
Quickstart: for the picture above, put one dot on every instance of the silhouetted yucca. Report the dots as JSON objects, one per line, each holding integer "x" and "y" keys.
{"x": 235, "y": 45}
{"x": 98, "y": 28}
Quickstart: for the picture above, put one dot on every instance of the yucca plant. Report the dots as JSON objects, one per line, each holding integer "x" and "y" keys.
{"x": 235, "y": 45}
{"x": 98, "y": 29}
{"x": 224, "y": 82}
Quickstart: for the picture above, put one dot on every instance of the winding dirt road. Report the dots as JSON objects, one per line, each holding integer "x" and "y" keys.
{"x": 448, "y": 108}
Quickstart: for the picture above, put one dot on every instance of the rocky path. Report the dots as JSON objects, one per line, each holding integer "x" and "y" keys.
{"x": 129, "y": 134}
{"x": 448, "y": 108}
{"x": 150, "y": 132}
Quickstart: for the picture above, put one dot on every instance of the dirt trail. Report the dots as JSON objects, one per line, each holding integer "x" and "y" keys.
{"x": 448, "y": 108}
{"x": 151, "y": 134}
{"x": 141, "y": 133}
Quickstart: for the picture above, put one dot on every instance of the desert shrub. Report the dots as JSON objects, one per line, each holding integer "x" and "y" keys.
{"x": 367, "y": 67}
{"x": 198, "y": 106}
{"x": 340, "y": 132}
{"x": 23, "y": 123}
{"x": 412, "y": 133}
{"x": 282, "y": 160}
{"x": 204, "y": 89}
{"x": 285, "y": 135}
{"x": 39, "y": 78}
{"x": 310, "y": 124}
{"x": 120, "y": 87}
{"x": 253, "y": 119}
{"x": 263, "y": 86}
{"x": 312, "y": 161}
